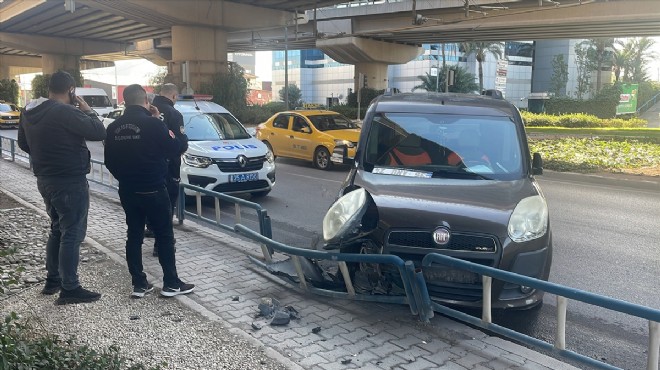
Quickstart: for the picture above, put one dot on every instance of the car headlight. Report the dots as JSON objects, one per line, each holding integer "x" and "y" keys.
{"x": 197, "y": 161}
{"x": 344, "y": 214}
{"x": 529, "y": 219}
{"x": 270, "y": 157}
{"x": 346, "y": 143}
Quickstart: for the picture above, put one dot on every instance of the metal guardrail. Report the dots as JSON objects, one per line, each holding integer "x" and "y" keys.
{"x": 563, "y": 293}
{"x": 10, "y": 147}
{"x": 648, "y": 104}
{"x": 99, "y": 174}
{"x": 405, "y": 269}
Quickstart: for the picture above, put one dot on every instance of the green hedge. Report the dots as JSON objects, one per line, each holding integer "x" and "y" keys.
{"x": 578, "y": 120}
{"x": 602, "y": 105}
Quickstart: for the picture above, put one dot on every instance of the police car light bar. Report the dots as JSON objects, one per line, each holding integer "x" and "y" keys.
{"x": 195, "y": 97}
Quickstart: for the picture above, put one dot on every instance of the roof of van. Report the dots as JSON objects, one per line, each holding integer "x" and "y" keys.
{"x": 90, "y": 91}
{"x": 199, "y": 106}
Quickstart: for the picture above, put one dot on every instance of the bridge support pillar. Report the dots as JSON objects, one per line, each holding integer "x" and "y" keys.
{"x": 51, "y": 63}
{"x": 197, "y": 54}
{"x": 4, "y": 72}
{"x": 370, "y": 57}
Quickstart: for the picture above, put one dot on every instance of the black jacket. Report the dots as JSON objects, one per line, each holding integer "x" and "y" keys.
{"x": 137, "y": 149}
{"x": 54, "y": 135}
{"x": 174, "y": 121}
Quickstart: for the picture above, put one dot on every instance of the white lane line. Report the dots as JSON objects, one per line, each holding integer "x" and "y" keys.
{"x": 596, "y": 186}
{"x": 315, "y": 178}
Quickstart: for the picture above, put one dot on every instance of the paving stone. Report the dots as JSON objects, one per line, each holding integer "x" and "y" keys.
{"x": 386, "y": 349}
{"x": 420, "y": 364}
{"x": 312, "y": 361}
{"x": 470, "y": 360}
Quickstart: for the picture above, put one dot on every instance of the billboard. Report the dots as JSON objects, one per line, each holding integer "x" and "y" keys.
{"x": 627, "y": 99}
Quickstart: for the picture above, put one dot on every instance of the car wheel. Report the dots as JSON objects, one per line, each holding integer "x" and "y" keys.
{"x": 322, "y": 158}
{"x": 260, "y": 194}
{"x": 270, "y": 147}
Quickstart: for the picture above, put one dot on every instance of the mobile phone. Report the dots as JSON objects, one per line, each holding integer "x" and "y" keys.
{"x": 72, "y": 97}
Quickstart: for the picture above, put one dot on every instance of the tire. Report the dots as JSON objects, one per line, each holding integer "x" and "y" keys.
{"x": 322, "y": 158}
{"x": 270, "y": 147}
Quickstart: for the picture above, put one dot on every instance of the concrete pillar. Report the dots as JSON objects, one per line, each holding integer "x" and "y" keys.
{"x": 51, "y": 63}
{"x": 202, "y": 51}
{"x": 4, "y": 72}
{"x": 376, "y": 75}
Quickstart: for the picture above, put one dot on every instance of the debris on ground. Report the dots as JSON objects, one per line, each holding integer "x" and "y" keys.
{"x": 316, "y": 330}
{"x": 272, "y": 309}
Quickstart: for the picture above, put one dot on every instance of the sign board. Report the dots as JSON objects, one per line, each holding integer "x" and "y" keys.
{"x": 500, "y": 75}
{"x": 627, "y": 99}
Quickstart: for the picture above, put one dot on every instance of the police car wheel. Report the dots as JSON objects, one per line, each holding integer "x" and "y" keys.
{"x": 322, "y": 158}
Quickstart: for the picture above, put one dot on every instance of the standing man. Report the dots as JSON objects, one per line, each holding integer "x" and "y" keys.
{"x": 136, "y": 152}
{"x": 53, "y": 131}
{"x": 174, "y": 122}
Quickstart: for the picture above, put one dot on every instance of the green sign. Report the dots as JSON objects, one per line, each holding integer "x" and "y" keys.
{"x": 628, "y": 99}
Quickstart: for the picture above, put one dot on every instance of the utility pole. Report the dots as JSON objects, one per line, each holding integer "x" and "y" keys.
{"x": 286, "y": 68}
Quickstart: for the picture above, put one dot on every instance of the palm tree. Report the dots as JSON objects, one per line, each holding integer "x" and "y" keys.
{"x": 619, "y": 60}
{"x": 463, "y": 80}
{"x": 599, "y": 51}
{"x": 481, "y": 49}
{"x": 641, "y": 55}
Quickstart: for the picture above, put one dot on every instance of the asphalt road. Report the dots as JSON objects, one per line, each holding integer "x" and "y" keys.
{"x": 605, "y": 230}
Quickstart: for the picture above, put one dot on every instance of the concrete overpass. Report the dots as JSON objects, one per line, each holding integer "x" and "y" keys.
{"x": 192, "y": 37}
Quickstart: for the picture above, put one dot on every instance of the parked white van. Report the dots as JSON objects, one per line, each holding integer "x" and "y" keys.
{"x": 96, "y": 98}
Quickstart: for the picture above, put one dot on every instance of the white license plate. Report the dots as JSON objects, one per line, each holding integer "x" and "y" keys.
{"x": 11, "y": 122}
{"x": 243, "y": 177}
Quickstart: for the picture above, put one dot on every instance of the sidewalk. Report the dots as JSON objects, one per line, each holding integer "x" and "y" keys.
{"x": 351, "y": 335}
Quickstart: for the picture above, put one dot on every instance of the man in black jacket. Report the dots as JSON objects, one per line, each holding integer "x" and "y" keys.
{"x": 136, "y": 152}
{"x": 53, "y": 131}
{"x": 174, "y": 122}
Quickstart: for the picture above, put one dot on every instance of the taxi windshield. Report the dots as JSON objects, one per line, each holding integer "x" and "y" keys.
{"x": 213, "y": 127}
{"x": 444, "y": 145}
{"x": 8, "y": 108}
{"x": 328, "y": 122}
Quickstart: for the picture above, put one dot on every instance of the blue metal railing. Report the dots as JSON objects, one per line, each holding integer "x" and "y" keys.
{"x": 648, "y": 104}
{"x": 562, "y": 293}
{"x": 99, "y": 174}
{"x": 10, "y": 147}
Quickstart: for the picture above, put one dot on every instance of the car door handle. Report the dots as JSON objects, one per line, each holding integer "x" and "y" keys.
{"x": 290, "y": 136}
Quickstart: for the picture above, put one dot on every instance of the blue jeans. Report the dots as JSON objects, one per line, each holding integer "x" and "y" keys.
{"x": 155, "y": 206}
{"x": 67, "y": 204}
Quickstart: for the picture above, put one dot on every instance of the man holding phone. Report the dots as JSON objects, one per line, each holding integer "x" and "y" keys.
{"x": 53, "y": 131}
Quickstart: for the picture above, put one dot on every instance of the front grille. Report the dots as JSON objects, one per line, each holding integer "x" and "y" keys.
{"x": 457, "y": 241}
{"x": 241, "y": 186}
{"x": 9, "y": 117}
{"x": 253, "y": 164}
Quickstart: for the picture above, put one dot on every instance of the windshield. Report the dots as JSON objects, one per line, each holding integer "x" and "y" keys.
{"x": 327, "y": 122}
{"x": 97, "y": 100}
{"x": 442, "y": 145}
{"x": 213, "y": 127}
{"x": 8, "y": 108}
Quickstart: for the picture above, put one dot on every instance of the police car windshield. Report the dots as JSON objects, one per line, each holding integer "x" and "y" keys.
{"x": 213, "y": 127}
{"x": 442, "y": 145}
{"x": 327, "y": 122}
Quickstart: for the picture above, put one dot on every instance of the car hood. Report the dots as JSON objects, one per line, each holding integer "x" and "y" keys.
{"x": 350, "y": 134}
{"x": 12, "y": 114}
{"x": 229, "y": 149}
{"x": 462, "y": 205}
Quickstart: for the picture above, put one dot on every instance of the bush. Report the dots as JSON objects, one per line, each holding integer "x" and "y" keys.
{"x": 9, "y": 91}
{"x": 578, "y": 120}
{"x": 366, "y": 96}
{"x": 602, "y": 105}
{"x": 348, "y": 111}
{"x": 254, "y": 115}
{"x": 24, "y": 348}
{"x": 40, "y": 86}
{"x": 229, "y": 88}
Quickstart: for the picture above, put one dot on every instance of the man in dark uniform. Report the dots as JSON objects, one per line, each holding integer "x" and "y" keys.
{"x": 174, "y": 122}
{"x": 137, "y": 149}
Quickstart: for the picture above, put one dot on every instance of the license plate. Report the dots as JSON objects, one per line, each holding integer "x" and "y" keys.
{"x": 10, "y": 122}
{"x": 449, "y": 275}
{"x": 244, "y": 177}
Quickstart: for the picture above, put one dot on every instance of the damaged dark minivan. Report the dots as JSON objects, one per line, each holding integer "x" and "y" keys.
{"x": 449, "y": 174}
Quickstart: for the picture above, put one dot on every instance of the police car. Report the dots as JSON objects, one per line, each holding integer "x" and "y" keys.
{"x": 222, "y": 156}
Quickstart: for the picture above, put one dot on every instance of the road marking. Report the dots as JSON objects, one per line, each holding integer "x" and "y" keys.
{"x": 603, "y": 187}
{"x": 315, "y": 178}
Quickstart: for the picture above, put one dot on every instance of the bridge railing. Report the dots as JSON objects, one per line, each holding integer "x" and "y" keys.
{"x": 563, "y": 294}
{"x": 648, "y": 104}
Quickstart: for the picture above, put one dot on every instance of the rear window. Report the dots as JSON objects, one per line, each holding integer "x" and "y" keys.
{"x": 213, "y": 127}
{"x": 97, "y": 100}
{"x": 444, "y": 145}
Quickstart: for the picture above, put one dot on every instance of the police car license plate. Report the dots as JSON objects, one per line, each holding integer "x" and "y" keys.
{"x": 244, "y": 177}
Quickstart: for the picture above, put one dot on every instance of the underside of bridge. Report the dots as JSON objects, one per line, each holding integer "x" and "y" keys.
{"x": 193, "y": 37}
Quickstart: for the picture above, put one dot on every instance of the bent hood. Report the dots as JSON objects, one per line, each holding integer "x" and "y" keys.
{"x": 463, "y": 205}
{"x": 228, "y": 149}
{"x": 350, "y": 134}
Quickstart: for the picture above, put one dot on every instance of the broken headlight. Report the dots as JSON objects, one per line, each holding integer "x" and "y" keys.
{"x": 344, "y": 215}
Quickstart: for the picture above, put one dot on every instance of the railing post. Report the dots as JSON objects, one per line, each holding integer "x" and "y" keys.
{"x": 654, "y": 345}
{"x": 486, "y": 312}
{"x": 300, "y": 272}
{"x": 216, "y": 203}
{"x": 347, "y": 278}
{"x": 237, "y": 208}
{"x": 198, "y": 203}
{"x": 13, "y": 151}
{"x": 560, "y": 338}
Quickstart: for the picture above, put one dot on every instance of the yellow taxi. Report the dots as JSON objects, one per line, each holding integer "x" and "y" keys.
{"x": 9, "y": 114}
{"x": 321, "y": 136}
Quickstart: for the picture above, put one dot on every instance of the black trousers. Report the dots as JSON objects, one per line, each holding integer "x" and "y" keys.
{"x": 155, "y": 206}
{"x": 173, "y": 192}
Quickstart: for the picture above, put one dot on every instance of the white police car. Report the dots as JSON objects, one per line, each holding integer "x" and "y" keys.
{"x": 222, "y": 156}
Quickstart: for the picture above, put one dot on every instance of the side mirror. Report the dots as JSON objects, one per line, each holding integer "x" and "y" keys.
{"x": 537, "y": 164}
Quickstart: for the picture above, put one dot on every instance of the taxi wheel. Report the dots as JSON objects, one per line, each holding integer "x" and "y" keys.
{"x": 270, "y": 147}
{"x": 322, "y": 158}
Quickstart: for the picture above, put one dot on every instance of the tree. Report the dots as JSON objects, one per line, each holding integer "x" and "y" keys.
{"x": 620, "y": 60}
{"x": 156, "y": 81}
{"x": 9, "y": 91}
{"x": 559, "y": 75}
{"x": 584, "y": 66}
{"x": 640, "y": 56}
{"x": 481, "y": 49}
{"x": 229, "y": 88}
{"x": 295, "y": 95}
{"x": 599, "y": 51}
{"x": 40, "y": 83}
{"x": 463, "y": 80}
